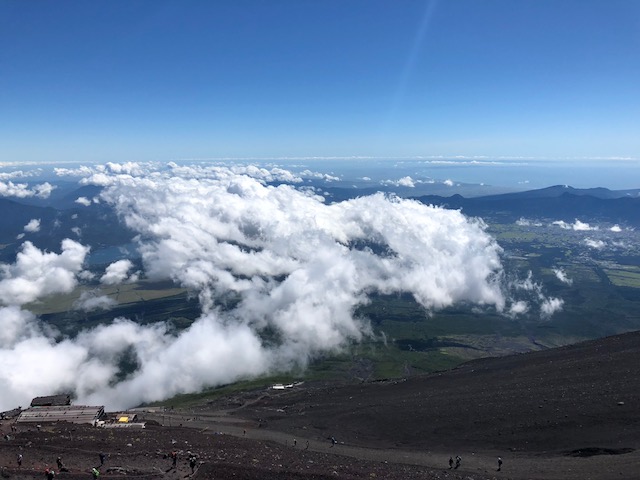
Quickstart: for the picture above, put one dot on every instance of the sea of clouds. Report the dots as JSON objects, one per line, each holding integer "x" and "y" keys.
{"x": 287, "y": 261}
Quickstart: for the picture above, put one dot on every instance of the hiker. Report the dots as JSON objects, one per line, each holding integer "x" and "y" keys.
{"x": 50, "y": 473}
{"x": 450, "y": 463}
{"x": 174, "y": 458}
{"x": 295, "y": 442}
{"x": 193, "y": 460}
{"x": 19, "y": 459}
{"x": 95, "y": 472}
{"x": 307, "y": 446}
{"x": 59, "y": 463}
{"x": 499, "y": 463}
{"x": 333, "y": 441}
{"x": 458, "y": 460}
{"x": 102, "y": 456}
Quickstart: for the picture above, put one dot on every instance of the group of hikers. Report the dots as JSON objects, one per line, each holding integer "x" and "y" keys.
{"x": 193, "y": 460}
{"x": 50, "y": 473}
{"x": 458, "y": 461}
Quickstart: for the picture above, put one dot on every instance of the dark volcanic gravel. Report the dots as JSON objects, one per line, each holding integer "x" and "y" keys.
{"x": 566, "y": 414}
{"x": 585, "y": 395}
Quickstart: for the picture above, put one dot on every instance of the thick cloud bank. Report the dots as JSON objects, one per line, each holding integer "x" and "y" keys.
{"x": 279, "y": 274}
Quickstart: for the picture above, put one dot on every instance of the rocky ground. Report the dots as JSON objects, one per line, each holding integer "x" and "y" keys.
{"x": 568, "y": 413}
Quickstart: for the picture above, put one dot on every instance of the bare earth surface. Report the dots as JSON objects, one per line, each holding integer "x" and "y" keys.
{"x": 568, "y": 413}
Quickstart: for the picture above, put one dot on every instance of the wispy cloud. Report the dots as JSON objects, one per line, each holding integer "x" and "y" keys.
{"x": 525, "y": 222}
{"x": 577, "y": 225}
{"x": 562, "y": 276}
{"x": 92, "y": 300}
{"x": 596, "y": 244}
{"x": 33, "y": 226}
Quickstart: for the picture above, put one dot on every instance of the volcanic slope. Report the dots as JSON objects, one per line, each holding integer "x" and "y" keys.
{"x": 578, "y": 399}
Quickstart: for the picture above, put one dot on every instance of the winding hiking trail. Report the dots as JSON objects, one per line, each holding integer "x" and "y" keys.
{"x": 516, "y": 465}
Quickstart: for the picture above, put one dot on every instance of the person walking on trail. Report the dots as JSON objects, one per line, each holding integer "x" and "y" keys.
{"x": 333, "y": 441}
{"x": 103, "y": 456}
{"x": 174, "y": 459}
{"x": 50, "y": 473}
{"x": 499, "y": 463}
{"x": 458, "y": 460}
{"x": 19, "y": 459}
{"x": 95, "y": 472}
{"x": 59, "y": 463}
{"x": 193, "y": 460}
{"x": 450, "y": 463}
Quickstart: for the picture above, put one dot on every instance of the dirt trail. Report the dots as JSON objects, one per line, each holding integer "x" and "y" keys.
{"x": 516, "y": 465}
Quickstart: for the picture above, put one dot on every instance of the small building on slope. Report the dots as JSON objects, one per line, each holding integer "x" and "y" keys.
{"x": 51, "y": 400}
{"x": 61, "y": 413}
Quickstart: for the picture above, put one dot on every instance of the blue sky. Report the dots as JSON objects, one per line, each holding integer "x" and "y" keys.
{"x": 162, "y": 80}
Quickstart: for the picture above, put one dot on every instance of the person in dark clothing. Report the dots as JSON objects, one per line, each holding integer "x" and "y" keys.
{"x": 499, "y": 463}
{"x": 59, "y": 463}
{"x": 458, "y": 460}
{"x": 450, "y": 463}
{"x": 174, "y": 459}
{"x": 193, "y": 460}
{"x": 103, "y": 456}
{"x": 19, "y": 459}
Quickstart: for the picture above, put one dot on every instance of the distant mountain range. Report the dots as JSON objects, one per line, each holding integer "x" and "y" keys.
{"x": 557, "y": 203}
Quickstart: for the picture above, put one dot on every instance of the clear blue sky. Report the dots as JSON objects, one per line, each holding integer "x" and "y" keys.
{"x": 159, "y": 80}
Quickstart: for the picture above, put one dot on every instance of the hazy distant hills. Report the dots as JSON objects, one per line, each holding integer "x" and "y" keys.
{"x": 96, "y": 225}
{"x": 560, "y": 190}
{"x": 556, "y": 203}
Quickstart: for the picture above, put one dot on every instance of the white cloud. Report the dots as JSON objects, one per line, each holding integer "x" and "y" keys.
{"x": 581, "y": 226}
{"x": 525, "y": 222}
{"x": 117, "y": 272}
{"x": 92, "y": 300}
{"x": 448, "y": 183}
{"x": 518, "y": 308}
{"x": 616, "y": 228}
{"x": 22, "y": 190}
{"x": 535, "y": 293}
{"x": 318, "y": 176}
{"x": 406, "y": 182}
{"x": 596, "y": 244}
{"x": 83, "y": 201}
{"x": 560, "y": 275}
{"x": 550, "y": 306}
{"x": 577, "y": 225}
{"x": 43, "y": 190}
{"x": 36, "y": 273}
{"x": 291, "y": 263}
{"x": 402, "y": 182}
{"x": 562, "y": 224}
{"x": 33, "y": 226}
